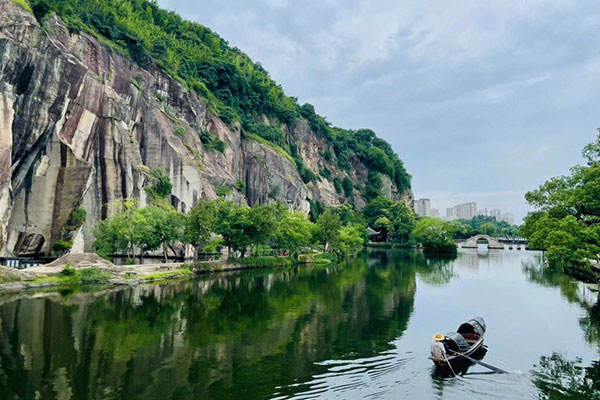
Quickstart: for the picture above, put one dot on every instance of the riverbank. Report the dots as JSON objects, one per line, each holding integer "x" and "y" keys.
{"x": 78, "y": 270}
{"x": 390, "y": 246}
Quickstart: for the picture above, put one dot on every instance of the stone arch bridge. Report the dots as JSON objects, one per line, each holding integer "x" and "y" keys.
{"x": 492, "y": 243}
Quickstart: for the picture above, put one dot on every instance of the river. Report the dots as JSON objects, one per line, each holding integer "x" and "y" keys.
{"x": 360, "y": 329}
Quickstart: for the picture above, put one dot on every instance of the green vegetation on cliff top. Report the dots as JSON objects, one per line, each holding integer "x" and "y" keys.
{"x": 234, "y": 87}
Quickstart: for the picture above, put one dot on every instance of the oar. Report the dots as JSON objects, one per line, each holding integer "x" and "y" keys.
{"x": 495, "y": 369}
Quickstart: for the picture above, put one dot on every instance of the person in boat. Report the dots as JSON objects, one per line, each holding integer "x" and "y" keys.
{"x": 454, "y": 345}
{"x": 438, "y": 346}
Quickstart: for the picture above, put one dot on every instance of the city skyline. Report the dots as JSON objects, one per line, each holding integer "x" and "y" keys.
{"x": 468, "y": 210}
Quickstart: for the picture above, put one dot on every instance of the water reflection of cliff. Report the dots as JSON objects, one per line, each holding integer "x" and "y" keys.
{"x": 237, "y": 336}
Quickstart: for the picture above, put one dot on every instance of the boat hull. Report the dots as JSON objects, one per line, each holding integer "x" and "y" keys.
{"x": 458, "y": 360}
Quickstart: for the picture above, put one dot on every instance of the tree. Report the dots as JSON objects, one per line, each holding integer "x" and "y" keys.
{"x": 380, "y": 161}
{"x": 162, "y": 228}
{"x": 459, "y": 229}
{"x": 294, "y": 232}
{"x": 200, "y": 224}
{"x": 488, "y": 229}
{"x": 351, "y": 239}
{"x": 107, "y": 238}
{"x": 233, "y": 225}
{"x": 123, "y": 231}
{"x": 329, "y": 225}
{"x": 263, "y": 220}
{"x": 384, "y": 226}
{"x": 402, "y": 218}
{"x": 566, "y": 222}
{"x": 434, "y": 235}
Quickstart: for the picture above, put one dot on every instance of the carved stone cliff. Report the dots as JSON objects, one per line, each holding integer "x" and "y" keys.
{"x": 81, "y": 125}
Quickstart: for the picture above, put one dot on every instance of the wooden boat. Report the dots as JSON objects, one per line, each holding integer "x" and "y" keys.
{"x": 448, "y": 350}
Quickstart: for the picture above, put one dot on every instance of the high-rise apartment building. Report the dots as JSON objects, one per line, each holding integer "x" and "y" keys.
{"x": 450, "y": 214}
{"x": 496, "y": 214}
{"x": 509, "y": 218}
{"x": 465, "y": 210}
{"x": 435, "y": 213}
{"x": 423, "y": 207}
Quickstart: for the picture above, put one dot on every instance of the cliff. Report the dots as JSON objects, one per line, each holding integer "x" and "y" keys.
{"x": 81, "y": 125}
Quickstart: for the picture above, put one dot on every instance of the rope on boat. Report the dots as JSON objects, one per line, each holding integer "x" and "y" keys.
{"x": 495, "y": 369}
{"x": 450, "y": 365}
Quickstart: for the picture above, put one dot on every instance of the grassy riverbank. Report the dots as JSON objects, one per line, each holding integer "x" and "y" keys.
{"x": 73, "y": 275}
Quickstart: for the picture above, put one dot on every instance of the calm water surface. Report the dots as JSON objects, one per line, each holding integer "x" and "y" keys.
{"x": 356, "y": 330}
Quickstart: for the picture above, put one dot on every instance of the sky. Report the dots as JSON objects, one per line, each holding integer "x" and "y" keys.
{"x": 483, "y": 101}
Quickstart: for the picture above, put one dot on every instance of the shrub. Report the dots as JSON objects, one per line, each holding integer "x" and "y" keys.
{"x": 179, "y": 131}
{"x": 160, "y": 184}
{"x": 337, "y": 183}
{"x": 210, "y": 142}
{"x": 347, "y": 186}
{"x": 264, "y": 261}
{"x": 223, "y": 190}
{"x": 24, "y": 4}
{"x": 240, "y": 186}
{"x": 63, "y": 246}
{"x": 76, "y": 219}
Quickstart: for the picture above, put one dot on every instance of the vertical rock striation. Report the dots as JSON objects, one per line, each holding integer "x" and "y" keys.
{"x": 81, "y": 125}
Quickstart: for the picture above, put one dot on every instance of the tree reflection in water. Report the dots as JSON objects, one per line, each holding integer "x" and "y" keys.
{"x": 559, "y": 378}
{"x": 556, "y": 376}
{"x": 243, "y": 335}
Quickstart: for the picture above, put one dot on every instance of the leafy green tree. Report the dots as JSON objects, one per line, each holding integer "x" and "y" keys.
{"x": 434, "y": 235}
{"x": 476, "y": 226}
{"x": 121, "y": 232}
{"x": 567, "y": 220}
{"x": 384, "y": 226}
{"x": 488, "y": 229}
{"x": 233, "y": 224}
{"x": 348, "y": 214}
{"x": 162, "y": 228}
{"x": 401, "y": 217}
{"x": 380, "y": 161}
{"x": 351, "y": 239}
{"x": 107, "y": 238}
{"x": 459, "y": 229}
{"x": 294, "y": 232}
{"x": 263, "y": 220}
{"x": 329, "y": 225}
{"x": 200, "y": 224}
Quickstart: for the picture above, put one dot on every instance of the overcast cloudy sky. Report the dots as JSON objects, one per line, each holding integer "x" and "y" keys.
{"x": 483, "y": 100}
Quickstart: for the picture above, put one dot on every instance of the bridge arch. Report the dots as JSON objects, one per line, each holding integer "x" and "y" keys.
{"x": 472, "y": 242}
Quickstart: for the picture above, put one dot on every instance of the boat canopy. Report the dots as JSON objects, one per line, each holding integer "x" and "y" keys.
{"x": 475, "y": 325}
{"x": 456, "y": 342}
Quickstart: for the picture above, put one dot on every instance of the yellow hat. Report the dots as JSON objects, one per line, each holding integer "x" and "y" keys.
{"x": 438, "y": 337}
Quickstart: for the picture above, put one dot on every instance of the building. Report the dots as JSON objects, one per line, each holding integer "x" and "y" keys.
{"x": 450, "y": 214}
{"x": 465, "y": 210}
{"x": 423, "y": 208}
{"x": 508, "y": 218}
{"x": 496, "y": 214}
{"x": 483, "y": 212}
{"x": 435, "y": 213}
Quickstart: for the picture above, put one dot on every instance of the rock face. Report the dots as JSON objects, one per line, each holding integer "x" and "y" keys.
{"x": 81, "y": 125}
